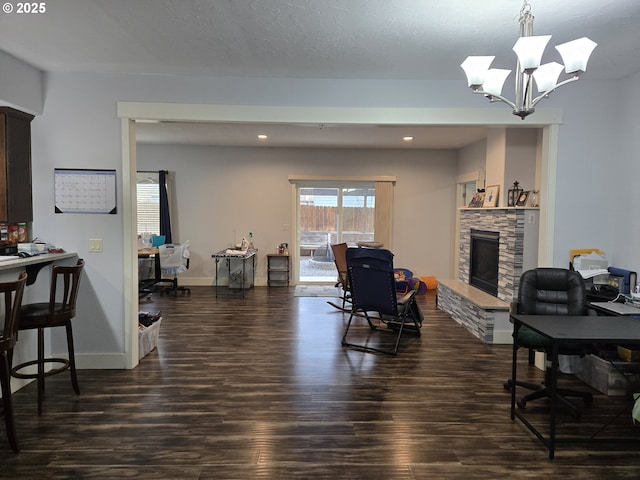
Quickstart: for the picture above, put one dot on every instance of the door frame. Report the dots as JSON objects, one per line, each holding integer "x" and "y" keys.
{"x": 548, "y": 119}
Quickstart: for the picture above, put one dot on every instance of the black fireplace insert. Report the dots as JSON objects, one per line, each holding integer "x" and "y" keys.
{"x": 485, "y": 254}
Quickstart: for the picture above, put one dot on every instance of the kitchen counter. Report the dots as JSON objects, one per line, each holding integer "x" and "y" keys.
{"x": 32, "y": 264}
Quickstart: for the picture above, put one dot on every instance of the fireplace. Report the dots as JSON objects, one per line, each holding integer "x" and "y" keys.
{"x": 484, "y": 257}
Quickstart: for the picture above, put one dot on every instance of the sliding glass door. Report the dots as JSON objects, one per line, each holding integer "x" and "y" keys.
{"x": 328, "y": 213}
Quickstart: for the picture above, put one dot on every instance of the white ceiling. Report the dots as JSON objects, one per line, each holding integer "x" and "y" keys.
{"x": 374, "y": 39}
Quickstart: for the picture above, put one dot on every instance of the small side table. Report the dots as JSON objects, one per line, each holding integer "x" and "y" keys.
{"x": 278, "y": 268}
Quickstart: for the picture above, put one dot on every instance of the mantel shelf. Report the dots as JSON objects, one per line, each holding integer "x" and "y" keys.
{"x": 493, "y": 209}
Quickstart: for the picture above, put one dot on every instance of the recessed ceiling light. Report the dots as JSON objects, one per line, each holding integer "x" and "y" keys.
{"x": 262, "y": 136}
{"x": 407, "y": 139}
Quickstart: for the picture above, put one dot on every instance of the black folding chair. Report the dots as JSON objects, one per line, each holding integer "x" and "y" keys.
{"x": 373, "y": 291}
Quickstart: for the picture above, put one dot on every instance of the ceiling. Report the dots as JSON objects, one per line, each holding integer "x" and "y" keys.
{"x": 339, "y": 39}
{"x": 309, "y": 136}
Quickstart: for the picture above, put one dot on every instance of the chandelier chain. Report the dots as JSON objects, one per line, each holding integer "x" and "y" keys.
{"x": 525, "y": 12}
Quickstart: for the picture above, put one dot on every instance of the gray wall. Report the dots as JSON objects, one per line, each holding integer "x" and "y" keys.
{"x": 224, "y": 193}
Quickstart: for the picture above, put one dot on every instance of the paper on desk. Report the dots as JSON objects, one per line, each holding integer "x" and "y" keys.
{"x": 8, "y": 257}
{"x": 593, "y": 273}
{"x": 231, "y": 251}
{"x": 591, "y": 261}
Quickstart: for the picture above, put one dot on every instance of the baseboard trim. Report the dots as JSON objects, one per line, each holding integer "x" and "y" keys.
{"x": 97, "y": 361}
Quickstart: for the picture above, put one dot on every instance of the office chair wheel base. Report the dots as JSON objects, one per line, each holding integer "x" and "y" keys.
{"x": 507, "y": 385}
{"x": 522, "y": 404}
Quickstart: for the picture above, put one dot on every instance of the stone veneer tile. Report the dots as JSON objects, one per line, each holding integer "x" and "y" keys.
{"x": 471, "y": 308}
{"x": 509, "y": 223}
{"x": 476, "y": 310}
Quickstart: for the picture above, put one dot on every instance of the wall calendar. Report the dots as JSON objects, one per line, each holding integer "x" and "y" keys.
{"x": 85, "y": 191}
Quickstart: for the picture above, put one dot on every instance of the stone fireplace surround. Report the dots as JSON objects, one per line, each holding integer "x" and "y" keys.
{"x": 484, "y": 315}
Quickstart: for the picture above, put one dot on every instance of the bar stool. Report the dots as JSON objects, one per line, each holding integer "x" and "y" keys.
{"x": 12, "y": 300}
{"x": 57, "y": 312}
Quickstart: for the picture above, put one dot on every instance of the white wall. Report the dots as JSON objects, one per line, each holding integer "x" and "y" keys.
{"x": 20, "y": 85}
{"x": 472, "y": 161}
{"x": 623, "y": 182}
{"x": 79, "y": 128}
{"x": 496, "y": 155}
{"x": 589, "y": 153}
{"x": 520, "y": 161}
{"x": 224, "y": 193}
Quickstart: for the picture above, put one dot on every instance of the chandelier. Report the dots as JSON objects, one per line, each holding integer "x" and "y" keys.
{"x": 529, "y": 49}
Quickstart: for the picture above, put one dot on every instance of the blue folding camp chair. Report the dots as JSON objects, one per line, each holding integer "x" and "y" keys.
{"x": 373, "y": 295}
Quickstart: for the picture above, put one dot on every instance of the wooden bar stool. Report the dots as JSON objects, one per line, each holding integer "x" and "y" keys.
{"x": 57, "y": 312}
{"x": 11, "y": 296}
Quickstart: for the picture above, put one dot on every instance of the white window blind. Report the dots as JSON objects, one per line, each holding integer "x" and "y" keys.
{"x": 148, "y": 194}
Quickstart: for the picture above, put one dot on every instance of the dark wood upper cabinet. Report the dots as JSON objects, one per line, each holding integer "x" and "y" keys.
{"x": 16, "y": 204}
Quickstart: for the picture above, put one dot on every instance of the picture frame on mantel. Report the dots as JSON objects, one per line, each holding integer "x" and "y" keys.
{"x": 522, "y": 199}
{"x": 491, "y": 196}
{"x": 477, "y": 200}
{"x": 534, "y": 199}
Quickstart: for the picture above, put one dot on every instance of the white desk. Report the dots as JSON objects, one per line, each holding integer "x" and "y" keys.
{"x": 242, "y": 256}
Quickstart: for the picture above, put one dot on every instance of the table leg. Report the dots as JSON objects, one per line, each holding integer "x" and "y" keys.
{"x": 554, "y": 399}
{"x": 514, "y": 363}
{"x": 217, "y": 261}
{"x": 253, "y": 270}
{"x": 157, "y": 267}
{"x": 242, "y": 280}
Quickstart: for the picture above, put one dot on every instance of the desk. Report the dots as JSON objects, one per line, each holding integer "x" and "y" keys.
{"x": 246, "y": 256}
{"x": 147, "y": 252}
{"x": 568, "y": 329}
{"x": 613, "y": 308}
{"x": 152, "y": 252}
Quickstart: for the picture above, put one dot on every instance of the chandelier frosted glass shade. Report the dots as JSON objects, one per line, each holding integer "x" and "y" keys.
{"x": 575, "y": 54}
{"x": 476, "y": 68}
{"x": 529, "y": 51}
{"x": 546, "y": 76}
{"x": 494, "y": 81}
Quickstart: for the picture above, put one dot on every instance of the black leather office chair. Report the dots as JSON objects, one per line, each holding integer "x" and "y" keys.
{"x": 550, "y": 291}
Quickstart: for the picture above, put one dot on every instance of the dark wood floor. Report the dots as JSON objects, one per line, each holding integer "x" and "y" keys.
{"x": 261, "y": 388}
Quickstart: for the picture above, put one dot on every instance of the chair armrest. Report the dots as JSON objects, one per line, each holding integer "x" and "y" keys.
{"x": 407, "y": 297}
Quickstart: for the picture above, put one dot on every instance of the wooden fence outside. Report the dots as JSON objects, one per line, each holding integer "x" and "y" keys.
{"x": 324, "y": 219}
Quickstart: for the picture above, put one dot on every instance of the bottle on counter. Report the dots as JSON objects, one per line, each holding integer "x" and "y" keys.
{"x": 22, "y": 233}
{"x": 13, "y": 234}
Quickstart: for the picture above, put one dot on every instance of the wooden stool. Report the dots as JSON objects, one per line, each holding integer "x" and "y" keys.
{"x": 12, "y": 300}
{"x": 57, "y": 312}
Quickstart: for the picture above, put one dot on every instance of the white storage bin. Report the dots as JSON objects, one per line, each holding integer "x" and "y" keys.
{"x": 148, "y": 338}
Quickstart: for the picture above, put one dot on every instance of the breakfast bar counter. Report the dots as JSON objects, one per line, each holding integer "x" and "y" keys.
{"x": 32, "y": 264}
